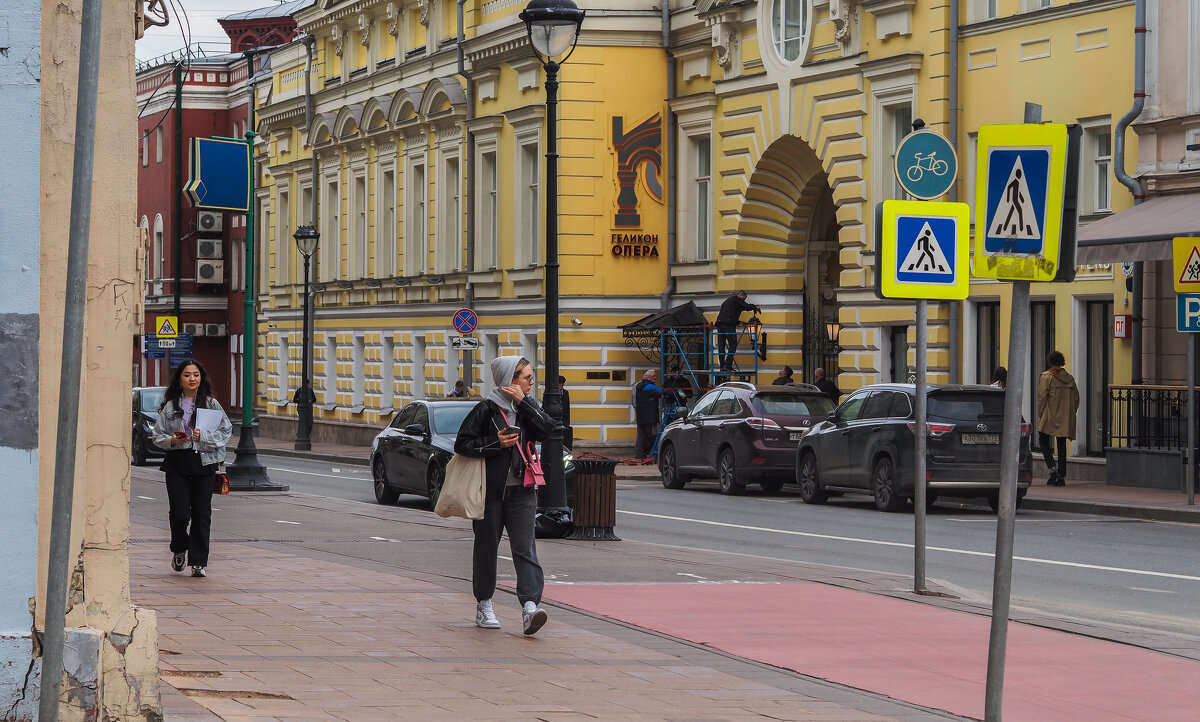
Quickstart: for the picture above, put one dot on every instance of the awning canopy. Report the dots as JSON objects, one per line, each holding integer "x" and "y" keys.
{"x": 1141, "y": 233}
{"x": 689, "y": 314}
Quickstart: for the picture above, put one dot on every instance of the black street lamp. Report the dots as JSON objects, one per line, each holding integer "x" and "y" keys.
{"x": 306, "y": 242}
{"x": 553, "y": 27}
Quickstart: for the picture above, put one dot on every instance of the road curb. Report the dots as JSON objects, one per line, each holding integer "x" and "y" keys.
{"x": 316, "y": 456}
{"x": 1149, "y": 513}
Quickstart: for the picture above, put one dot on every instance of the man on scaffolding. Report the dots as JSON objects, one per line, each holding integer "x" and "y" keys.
{"x": 728, "y": 319}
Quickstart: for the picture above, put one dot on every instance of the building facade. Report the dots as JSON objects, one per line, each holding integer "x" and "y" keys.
{"x": 702, "y": 149}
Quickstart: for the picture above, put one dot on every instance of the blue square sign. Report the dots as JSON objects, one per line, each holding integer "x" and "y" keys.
{"x": 926, "y": 249}
{"x": 1016, "y": 200}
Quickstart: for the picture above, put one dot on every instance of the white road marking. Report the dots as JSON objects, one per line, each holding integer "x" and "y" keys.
{"x": 906, "y": 545}
{"x": 281, "y": 521}
{"x": 311, "y": 473}
{"x": 1154, "y": 591}
{"x": 685, "y": 574}
{"x": 383, "y": 538}
{"x": 147, "y": 498}
{"x": 501, "y": 556}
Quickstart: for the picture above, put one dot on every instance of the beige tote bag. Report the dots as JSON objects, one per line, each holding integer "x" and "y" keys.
{"x": 463, "y": 490}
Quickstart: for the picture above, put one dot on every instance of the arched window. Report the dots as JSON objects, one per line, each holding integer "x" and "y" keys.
{"x": 789, "y": 24}
{"x": 155, "y": 266}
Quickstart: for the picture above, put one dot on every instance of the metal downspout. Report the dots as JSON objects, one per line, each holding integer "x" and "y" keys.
{"x": 955, "y": 306}
{"x": 1139, "y": 193}
{"x": 469, "y": 193}
{"x": 671, "y": 165}
{"x": 71, "y": 368}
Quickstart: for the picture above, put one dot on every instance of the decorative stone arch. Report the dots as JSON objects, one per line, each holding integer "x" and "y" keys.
{"x": 321, "y": 131}
{"x": 443, "y": 94}
{"x": 375, "y": 113}
{"x": 349, "y": 121}
{"x": 405, "y": 105}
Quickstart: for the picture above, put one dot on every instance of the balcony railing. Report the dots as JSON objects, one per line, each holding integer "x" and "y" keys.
{"x": 1148, "y": 417}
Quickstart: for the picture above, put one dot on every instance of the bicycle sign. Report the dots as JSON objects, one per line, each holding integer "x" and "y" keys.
{"x": 926, "y": 164}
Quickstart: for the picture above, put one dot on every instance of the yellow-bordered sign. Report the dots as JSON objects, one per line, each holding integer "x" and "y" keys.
{"x": 166, "y": 326}
{"x": 923, "y": 250}
{"x": 1019, "y": 201}
{"x": 1186, "y": 256}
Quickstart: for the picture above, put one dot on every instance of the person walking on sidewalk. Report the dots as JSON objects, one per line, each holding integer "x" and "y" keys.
{"x": 1057, "y": 402}
{"x": 507, "y": 417}
{"x": 646, "y": 394}
{"x": 726, "y": 325}
{"x": 195, "y": 448}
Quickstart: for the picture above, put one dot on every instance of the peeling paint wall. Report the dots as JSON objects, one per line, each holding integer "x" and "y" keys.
{"x": 20, "y": 280}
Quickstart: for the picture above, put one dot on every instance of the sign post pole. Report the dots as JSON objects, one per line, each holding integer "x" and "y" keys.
{"x": 919, "y": 491}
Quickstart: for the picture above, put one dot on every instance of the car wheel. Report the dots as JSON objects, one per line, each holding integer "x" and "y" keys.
{"x": 434, "y": 479}
{"x": 810, "y": 486}
{"x": 883, "y": 484}
{"x": 384, "y": 494}
{"x": 668, "y": 467}
{"x": 993, "y": 500}
{"x": 727, "y": 474}
{"x": 771, "y": 487}
{"x": 138, "y": 449}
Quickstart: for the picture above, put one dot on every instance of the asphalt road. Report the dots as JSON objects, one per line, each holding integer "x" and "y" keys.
{"x": 1135, "y": 577}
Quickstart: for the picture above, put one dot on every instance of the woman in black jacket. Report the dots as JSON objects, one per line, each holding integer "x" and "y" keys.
{"x": 508, "y": 503}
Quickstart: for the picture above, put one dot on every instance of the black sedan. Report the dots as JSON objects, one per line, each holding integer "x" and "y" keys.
{"x": 145, "y": 413}
{"x": 867, "y": 444}
{"x": 411, "y": 453}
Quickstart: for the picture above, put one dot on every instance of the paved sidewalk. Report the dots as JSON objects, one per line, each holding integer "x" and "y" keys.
{"x": 1077, "y": 497}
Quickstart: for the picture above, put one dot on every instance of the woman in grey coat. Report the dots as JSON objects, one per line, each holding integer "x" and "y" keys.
{"x": 193, "y": 456}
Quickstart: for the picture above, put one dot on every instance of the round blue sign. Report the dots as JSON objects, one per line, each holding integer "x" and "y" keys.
{"x": 465, "y": 320}
{"x": 926, "y": 164}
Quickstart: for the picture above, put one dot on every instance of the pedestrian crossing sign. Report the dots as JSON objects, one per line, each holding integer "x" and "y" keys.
{"x": 166, "y": 326}
{"x": 922, "y": 250}
{"x": 1019, "y": 201}
{"x": 1186, "y": 254}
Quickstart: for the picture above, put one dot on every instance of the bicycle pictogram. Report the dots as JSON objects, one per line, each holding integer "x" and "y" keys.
{"x": 926, "y": 163}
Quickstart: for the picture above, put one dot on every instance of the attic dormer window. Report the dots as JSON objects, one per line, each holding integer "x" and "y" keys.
{"x": 789, "y": 25}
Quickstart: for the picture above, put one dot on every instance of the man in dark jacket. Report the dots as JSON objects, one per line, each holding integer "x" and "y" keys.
{"x": 826, "y": 385}
{"x": 784, "y": 378}
{"x": 645, "y": 411}
{"x": 727, "y": 321}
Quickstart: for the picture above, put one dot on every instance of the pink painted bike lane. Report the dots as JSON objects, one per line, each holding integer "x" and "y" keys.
{"x": 906, "y": 650}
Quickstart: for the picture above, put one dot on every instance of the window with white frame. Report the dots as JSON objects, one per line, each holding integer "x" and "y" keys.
{"x": 898, "y": 123}
{"x": 156, "y": 263}
{"x": 331, "y": 232}
{"x": 385, "y": 223}
{"x": 145, "y": 148}
{"x": 489, "y": 218}
{"x": 263, "y": 242}
{"x": 284, "y": 243}
{"x": 1097, "y": 167}
{"x": 789, "y": 25}
{"x": 531, "y": 204}
{"x": 449, "y": 215}
{"x": 158, "y": 145}
{"x": 991, "y": 9}
{"x": 304, "y": 213}
{"x": 415, "y": 256}
{"x": 358, "y": 252}
{"x": 701, "y": 147}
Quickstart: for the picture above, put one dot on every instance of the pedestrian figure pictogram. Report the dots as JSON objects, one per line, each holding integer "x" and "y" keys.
{"x": 926, "y": 256}
{"x": 1191, "y": 268}
{"x": 1015, "y": 217}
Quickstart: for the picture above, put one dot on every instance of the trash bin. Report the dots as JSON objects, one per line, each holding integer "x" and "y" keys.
{"x": 595, "y": 504}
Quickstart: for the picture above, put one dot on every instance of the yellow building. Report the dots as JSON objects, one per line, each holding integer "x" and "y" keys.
{"x": 704, "y": 149}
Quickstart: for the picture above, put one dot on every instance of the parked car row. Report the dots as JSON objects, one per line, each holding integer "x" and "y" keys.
{"x": 772, "y": 435}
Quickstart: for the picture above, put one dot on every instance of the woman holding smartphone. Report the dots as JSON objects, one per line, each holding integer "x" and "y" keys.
{"x": 194, "y": 430}
{"x": 496, "y": 430}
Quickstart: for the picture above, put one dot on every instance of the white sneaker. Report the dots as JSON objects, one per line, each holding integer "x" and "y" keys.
{"x": 534, "y": 617}
{"x": 485, "y": 615}
{"x": 198, "y": 572}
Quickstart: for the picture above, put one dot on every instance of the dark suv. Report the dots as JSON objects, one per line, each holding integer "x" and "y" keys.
{"x": 866, "y": 446}
{"x": 739, "y": 432}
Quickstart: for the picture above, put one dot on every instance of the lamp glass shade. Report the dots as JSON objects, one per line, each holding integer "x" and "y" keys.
{"x": 553, "y": 37}
{"x": 306, "y": 240}
{"x": 832, "y": 330}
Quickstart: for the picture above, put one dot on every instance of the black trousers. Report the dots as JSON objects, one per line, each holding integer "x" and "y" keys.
{"x": 190, "y": 497}
{"x": 645, "y": 440}
{"x": 727, "y": 343}
{"x": 513, "y": 512}
{"x": 1061, "y": 443}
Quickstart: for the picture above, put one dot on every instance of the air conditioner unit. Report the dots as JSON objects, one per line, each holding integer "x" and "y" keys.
{"x": 210, "y": 272}
{"x": 208, "y": 248}
{"x": 194, "y": 329}
{"x": 209, "y": 221}
{"x": 215, "y": 329}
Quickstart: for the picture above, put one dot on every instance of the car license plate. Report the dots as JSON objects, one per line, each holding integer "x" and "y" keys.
{"x": 795, "y": 436}
{"x": 981, "y": 438}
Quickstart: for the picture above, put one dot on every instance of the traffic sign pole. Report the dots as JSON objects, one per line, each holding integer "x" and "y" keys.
{"x": 919, "y": 491}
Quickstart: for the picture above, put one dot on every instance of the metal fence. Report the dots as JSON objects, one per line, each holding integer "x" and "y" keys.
{"x": 1148, "y": 417}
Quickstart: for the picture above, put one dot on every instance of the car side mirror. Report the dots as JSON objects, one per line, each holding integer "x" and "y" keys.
{"x": 415, "y": 429}
{"x": 681, "y": 413}
{"x": 832, "y": 416}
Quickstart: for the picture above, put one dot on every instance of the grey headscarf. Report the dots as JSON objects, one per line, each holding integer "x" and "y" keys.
{"x": 503, "y": 370}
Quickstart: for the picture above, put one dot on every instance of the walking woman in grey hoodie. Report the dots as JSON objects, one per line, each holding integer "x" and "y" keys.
{"x": 496, "y": 430}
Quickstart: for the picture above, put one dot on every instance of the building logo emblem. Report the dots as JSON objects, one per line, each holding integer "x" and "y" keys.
{"x": 642, "y": 145}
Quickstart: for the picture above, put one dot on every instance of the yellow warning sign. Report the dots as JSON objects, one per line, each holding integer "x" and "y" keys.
{"x": 166, "y": 326}
{"x": 1186, "y": 256}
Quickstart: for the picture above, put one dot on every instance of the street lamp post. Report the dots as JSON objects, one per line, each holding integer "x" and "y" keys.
{"x": 307, "y": 238}
{"x": 553, "y": 27}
